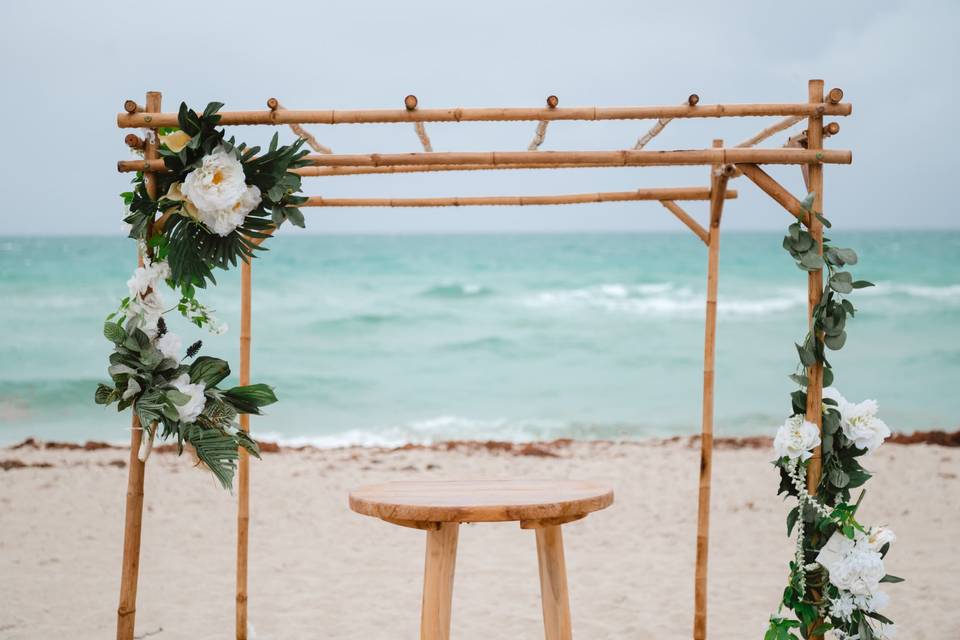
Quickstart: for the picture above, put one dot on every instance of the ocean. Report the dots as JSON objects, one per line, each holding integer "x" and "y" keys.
{"x": 382, "y": 340}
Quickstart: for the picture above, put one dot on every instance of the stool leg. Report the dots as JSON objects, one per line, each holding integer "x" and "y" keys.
{"x": 438, "y": 581}
{"x": 553, "y": 584}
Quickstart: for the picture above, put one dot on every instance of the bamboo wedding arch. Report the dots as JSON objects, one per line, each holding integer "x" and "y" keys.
{"x": 804, "y": 150}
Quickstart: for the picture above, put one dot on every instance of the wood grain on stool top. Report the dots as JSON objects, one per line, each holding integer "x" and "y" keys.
{"x": 480, "y": 500}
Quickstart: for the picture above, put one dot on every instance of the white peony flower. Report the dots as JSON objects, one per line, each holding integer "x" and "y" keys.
{"x": 862, "y": 426}
{"x": 842, "y": 608}
{"x": 880, "y": 536}
{"x": 189, "y": 411}
{"x": 853, "y": 565}
{"x": 796, "y": 438}
{"x": 169, "y": 345}
{"x": 218, "y": 190}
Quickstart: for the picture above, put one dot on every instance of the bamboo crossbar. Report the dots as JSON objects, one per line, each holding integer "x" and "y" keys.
{"x": 487, "y": 114}
{"x": 670, "y": 193}
{"x": 621, "y": 158}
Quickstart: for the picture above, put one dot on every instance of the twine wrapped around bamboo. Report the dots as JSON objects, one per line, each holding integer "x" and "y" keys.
{"x": 274, "y": 105}
{"x": 488, "y": 114}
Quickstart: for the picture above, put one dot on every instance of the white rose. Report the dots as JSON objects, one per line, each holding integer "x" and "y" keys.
{"x": 796, "y": 438}
{"x": 189, "y": 411}
{"x": 218, "y": 190}
{"x": 862, "y": 426}
{"x": 169, "y": 345}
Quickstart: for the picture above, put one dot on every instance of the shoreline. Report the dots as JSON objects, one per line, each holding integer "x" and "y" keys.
{"x": 536, "y": 448}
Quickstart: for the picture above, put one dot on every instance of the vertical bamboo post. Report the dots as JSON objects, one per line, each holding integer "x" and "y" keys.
{"x": 718, "y": 186}
{"x": 243, "y": 497}
{"x": 815, "y": 287}
{"x": 133, "y": 511}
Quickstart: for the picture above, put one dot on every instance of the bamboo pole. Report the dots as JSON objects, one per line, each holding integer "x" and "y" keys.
{"x": 620, "y": 158}
{"x": 815, "y": 291}
{"x": 670, "y": 193}
{"x": 773, "y": 129}
{"x": 688, "y": 220}
{"x": 775, "y": 190}
{"x": 718, "y": 184}
{"x": 133, "y": 510}
{"x": 156, "y": 119}
{"x": 243, "y": 474}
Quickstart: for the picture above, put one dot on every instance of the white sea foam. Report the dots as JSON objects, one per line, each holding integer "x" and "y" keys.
{"x": 664, "y": 300}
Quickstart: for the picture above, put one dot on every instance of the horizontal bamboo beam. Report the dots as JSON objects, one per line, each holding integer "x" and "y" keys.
{"x": 670, "y": 193}
{"x": 687, "y": 219}
{"x": 349, "y": 171}
{"x": 775, "y": 190}
{"x": 624, "y": 158}
{"x": 486, "y": 114}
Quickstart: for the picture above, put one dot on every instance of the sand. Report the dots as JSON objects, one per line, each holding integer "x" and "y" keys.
{"x": 321, "y": 571}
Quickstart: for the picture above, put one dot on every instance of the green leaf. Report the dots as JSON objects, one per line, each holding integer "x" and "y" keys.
{"x": 891, "y": 579}
{"x": 807, "y": 356}
{"x": 792, "y": 520}
{"x": 208, "y": 371}
{"x": 216, "y": 449}
{"x": 104, "y": 394}
{"x": 811, "y": 261}
{"x": 836, "y": 342}
{"x": 862, "y": 284}
{"x": 250, "y": 398}
{"x": 113, "y": 331}
{"x": 827, "y": 376}
{"x": 177, "y": 397}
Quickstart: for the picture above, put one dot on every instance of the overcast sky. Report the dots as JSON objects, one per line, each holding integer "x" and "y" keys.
{"x": 66, "y": 68}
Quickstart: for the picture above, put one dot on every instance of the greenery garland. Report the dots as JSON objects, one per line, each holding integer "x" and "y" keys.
{"x": 836, "y": 573}
{"x": 219, "y": 198}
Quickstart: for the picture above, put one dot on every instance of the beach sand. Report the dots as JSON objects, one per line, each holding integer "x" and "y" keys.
{"x": 320, "y": 571}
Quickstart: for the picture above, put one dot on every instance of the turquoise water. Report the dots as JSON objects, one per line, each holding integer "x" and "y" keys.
{"x": 387, "y": 339}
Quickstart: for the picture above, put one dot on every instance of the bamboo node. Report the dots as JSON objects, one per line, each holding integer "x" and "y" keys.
{"x": 553, "y": 101}
{"x": 410, "y": 102}
{"x": 148, "y": 118}
{"x": 693, "y": 100}
{"x": 835, "y": 95}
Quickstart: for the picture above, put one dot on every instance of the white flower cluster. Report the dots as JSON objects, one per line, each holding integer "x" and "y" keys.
{"x": 855, "y": 567}
{"x": 796, "y": 439}
{"x": 216, "y": 193}
{"x": 859, "y": 421}
{"x": 146, "y": 304}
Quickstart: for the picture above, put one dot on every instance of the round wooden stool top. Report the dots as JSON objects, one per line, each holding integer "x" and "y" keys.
{"x": 481, "y": 500}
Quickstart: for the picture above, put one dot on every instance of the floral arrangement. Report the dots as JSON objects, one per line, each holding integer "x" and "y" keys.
{"x": 837, "y": 571}
{"x": 219, "y": 200}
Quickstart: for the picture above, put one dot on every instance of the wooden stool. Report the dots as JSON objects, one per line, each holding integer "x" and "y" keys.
{"x": 440, "y": 506}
